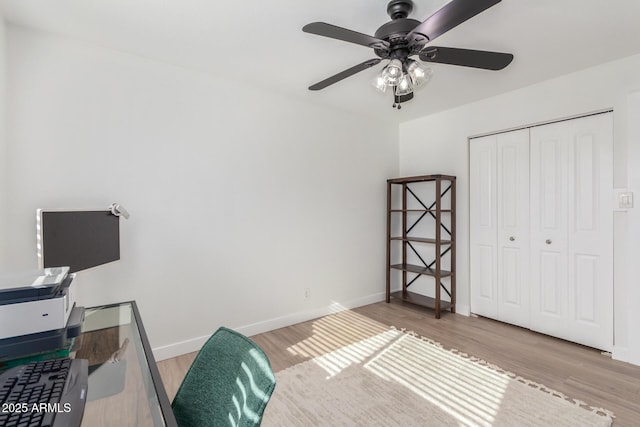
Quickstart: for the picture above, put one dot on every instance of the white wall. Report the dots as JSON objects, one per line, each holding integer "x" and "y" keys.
{"x": 3, "y": 146}
{"x": 633, "y": 229}
{"x": 239, "y": 198}
{"x": 438, "y": 144}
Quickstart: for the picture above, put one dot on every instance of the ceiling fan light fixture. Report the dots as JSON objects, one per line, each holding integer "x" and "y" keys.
{"x": 419, "y": 76}
{"x": 404, "y": 86}
{"x": 379, "y": 83}
{"x": 392, "y": 72}
{"x": 403, "y": 37}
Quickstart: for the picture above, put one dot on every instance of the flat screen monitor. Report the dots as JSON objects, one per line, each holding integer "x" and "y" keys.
{"x": 77, "y": 239}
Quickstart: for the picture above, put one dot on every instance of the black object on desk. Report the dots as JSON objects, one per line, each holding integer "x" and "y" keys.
{"x": 46, "y": 393}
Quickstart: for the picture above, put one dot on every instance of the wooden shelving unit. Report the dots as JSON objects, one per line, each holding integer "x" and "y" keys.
{"x": 425, "y": 240}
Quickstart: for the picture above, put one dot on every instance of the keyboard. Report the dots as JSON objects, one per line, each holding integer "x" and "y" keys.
{"x": 50, "y": 393}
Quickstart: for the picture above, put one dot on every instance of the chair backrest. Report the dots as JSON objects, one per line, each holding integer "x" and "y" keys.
{"x": 228, "y": 384}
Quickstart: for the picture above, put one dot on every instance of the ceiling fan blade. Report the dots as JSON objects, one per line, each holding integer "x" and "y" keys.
{"x": 449, "y": 16}
{"x": 466, "y": 57}
{"x": 344, "y": 74}
{"x": 339, "y": 33}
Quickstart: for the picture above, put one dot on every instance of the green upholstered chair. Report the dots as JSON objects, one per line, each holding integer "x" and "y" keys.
{"x": 228, "y": 384}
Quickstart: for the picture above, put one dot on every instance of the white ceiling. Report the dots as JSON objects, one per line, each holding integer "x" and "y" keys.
{"x": 257, "y": 42}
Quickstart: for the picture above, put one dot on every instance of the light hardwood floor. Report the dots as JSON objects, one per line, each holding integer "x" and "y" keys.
{"x": 579, "y": 372}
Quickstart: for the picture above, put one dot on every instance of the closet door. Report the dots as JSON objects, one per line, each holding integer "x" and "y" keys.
{"x": 572, "y": 230}
{"x": 499, "y": 207}
{"x": 483, "y": 220}
{"x": 513, "y": 227}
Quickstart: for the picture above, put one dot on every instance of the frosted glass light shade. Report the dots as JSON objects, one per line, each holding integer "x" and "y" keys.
{"x": 392, "y": 72}
{"x": 419, "y": 76}
{"x": 404, "y": 86}
{"x": 379, "y": 83}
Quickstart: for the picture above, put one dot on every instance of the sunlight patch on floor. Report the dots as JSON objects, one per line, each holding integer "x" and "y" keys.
{"x": 335, "y": 331}
{"x": 468, "y": 392}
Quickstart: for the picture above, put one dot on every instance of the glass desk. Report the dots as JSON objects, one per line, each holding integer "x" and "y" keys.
{"x": 125, "y": 388}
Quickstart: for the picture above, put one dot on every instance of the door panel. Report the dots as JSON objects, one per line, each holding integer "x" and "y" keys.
{"x": 541, "y": 228}
{"x": 550, "y": 159}
{"x": 549, "y": 275}
{"x": 586, "y": 190}
{"x": 509, "y": 186}
{"x": 511, "y": 292}
{"x": 590, "y": 237}
{"x": 513, "y": 226}
{"x": 486, "y": 274}
{"x": 551, "y": 287}
{"x": 483, "y": 227}
{"x": 499, "y": 207}
{"x": 572, "y": 183}
{"x": 586, "y": 288}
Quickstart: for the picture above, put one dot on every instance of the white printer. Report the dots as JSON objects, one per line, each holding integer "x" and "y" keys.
{"x": 37, "y": 309}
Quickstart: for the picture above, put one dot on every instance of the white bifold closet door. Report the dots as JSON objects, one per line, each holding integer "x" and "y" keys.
{"x": 500, "y": 226}
{"x": 541, "y": 229}
{"x": 572, "y": 230}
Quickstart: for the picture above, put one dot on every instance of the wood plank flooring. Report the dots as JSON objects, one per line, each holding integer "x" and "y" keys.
{"x": 579, "y": 372}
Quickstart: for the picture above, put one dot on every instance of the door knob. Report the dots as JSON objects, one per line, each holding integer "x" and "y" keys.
{"x": 548, "y": 241}
{"x": 512, "y": 238}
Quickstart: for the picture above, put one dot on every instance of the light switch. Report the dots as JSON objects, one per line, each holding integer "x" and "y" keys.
{"x": 625, "y": 200}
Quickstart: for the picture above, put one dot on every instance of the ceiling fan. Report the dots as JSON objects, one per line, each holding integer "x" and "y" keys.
{"x": 401, "y": 38}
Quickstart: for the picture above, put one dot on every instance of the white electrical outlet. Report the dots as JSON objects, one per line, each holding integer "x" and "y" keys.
{"x": 307, "y": 293}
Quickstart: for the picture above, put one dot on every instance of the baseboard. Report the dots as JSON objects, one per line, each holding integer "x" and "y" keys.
{"x": 179, "y": 348}
{"x": 623, "y": 354}
{"x": 194, "y": 344}
{"x": 462, "y": 309}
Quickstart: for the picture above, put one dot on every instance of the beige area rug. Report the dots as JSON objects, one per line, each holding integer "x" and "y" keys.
{"x": 399, "y": 379}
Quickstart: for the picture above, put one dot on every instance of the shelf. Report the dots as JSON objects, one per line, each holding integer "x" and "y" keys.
{"x": 418, "y": 269}
{"x": 421, "y": 300}
{"x": 420, "y": 210}
{"x": 433, "y": 243}
{"x": 422, "y": 240}
{"x": 422, "y": 178}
